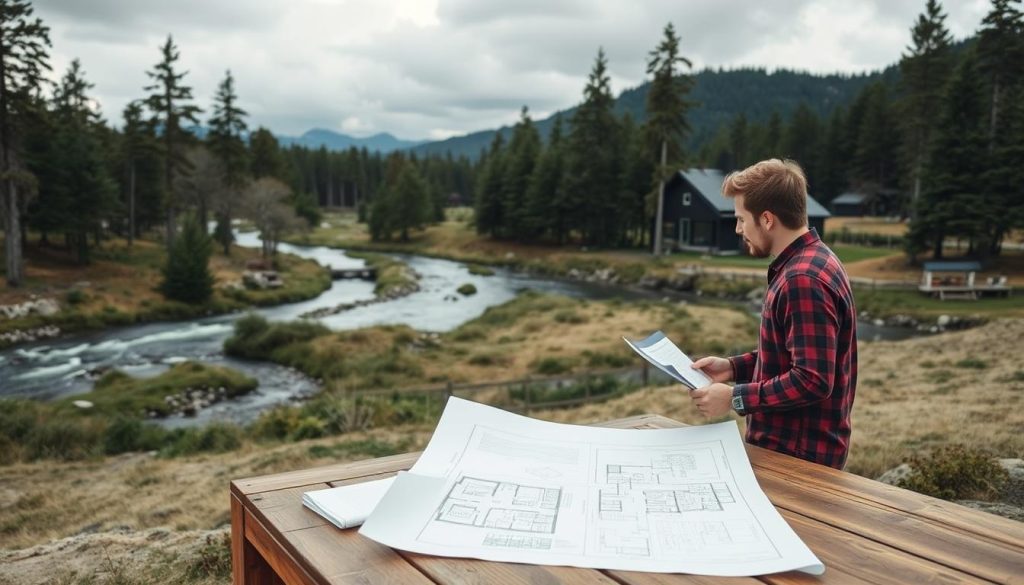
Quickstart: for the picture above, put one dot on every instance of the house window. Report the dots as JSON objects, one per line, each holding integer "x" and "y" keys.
{"x": 686, "y": 198}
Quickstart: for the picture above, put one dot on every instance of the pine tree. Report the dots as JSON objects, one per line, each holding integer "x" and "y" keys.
{"x": 739, "y": 143}
{"x": 265, "y": 158}
{"x": 169, "y": 105}
{"x": 1000, "y": 54}
{"x": 832, "y": 173}
{"x": 637, "y": 194}
{"x": 23, "y": 63}
{"x": 667, "y": 105}
{"x": 489, "y": 214}
{"x": 876, "y": 152}
{"x": 82, "y": 189}
{"x": 225, "y": 140}
{"x": 521, "y": 158}
{"x": 544, "y": 217}
{"x": 925, "y": 70}
{"x": 951, "y": 203}
{"x": 187, "y": 276}
{"x": 138, "y": 147}
{"x": 802, "y": 142}
{"x": 593, "y": 162}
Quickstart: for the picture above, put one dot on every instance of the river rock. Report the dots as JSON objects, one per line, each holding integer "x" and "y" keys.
{"x": 83, "y": 404}
{"x": 998, "y": 508}
{"x": 895, "y": 475}
{"x": 943, "y": 320}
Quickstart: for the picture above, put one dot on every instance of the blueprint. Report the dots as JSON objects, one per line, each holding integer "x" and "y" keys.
{"x": 498, "y": 486}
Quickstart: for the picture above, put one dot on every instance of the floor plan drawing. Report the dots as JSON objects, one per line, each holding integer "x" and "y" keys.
{"x": 496, "y": 504}
{"x": 497, "y": 486}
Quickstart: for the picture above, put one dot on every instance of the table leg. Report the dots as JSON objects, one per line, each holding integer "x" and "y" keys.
{"x": 248, "y": 567}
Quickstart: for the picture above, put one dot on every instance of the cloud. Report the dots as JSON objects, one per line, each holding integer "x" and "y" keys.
{"x": 434, "y": 68}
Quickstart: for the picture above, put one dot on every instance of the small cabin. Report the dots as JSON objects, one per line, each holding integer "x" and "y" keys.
{"x": 697, "y": 217}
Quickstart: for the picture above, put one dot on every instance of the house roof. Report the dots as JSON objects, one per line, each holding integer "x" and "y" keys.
{"x": 952, "y": 266}
{"x": 850, "y": 199}
{"x": 709, "y": 183}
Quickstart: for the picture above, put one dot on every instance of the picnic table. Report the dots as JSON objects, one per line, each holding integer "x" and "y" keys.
{"x": 864, "y": 531}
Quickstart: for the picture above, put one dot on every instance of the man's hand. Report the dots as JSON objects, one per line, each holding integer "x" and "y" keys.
{"x": 716, "y": 368}
{"x": 713, "y": 401}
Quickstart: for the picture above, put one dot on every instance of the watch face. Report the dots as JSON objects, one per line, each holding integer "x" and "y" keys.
{"x": 737, "y": 403}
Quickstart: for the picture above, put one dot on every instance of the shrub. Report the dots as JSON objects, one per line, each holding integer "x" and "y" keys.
{"x": 277, "y": 423}
{"x": 213, "y": 438}
{"x": 187, "y": 276}
{"x": 75, "y": 296}
{"x": 309, "y": 427}
{"x": 466, "y": 289}
{"x": 212, "y": 560}
{"x": 131, "y": 434}
{"x": 551, "y": 366}
{"x": 972, "y": 363}
{"x": 955, "y": 473}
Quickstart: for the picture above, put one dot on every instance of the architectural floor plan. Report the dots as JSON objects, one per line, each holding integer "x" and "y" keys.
{"x": 499, "y": 486}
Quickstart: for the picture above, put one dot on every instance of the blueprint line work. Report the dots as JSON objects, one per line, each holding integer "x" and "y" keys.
{"x": 498, "y": 486}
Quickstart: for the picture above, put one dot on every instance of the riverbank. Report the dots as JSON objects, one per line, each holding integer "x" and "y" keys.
{"x": 735, "y": 278}
{"x": 120, "y": 288}
{"x": 151, "y": 516}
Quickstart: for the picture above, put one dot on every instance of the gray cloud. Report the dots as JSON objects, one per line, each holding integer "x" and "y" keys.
{"x": 430, "y": 68}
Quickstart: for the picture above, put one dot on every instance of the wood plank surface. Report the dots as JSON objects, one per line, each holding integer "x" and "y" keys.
{"x": 478, "y": 572}
{"x": 338, "y": 557}
{"x": 927, "y": 539}
{"x": 863, "y": 531}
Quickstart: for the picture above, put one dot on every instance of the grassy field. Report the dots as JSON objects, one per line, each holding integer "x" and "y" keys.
{"x": 121, "y": 286}
{"x": 152, "y": 515}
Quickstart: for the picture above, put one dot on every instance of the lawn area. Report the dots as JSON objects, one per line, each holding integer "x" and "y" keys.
{"x": 847, "y": 253}
{"x": 121, "y": 286}
{"x": 911, "y": 302}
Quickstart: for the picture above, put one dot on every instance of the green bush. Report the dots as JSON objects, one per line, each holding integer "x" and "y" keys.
{"x": 187, "y": 276}
{"x": 552, "y": 366}
{"x": 956, "y": 473}
{"x": 277, "y": 423}
{"x": 255, "y": 338}
{"x": 75, "y": 296}
{"x": 213, "y": 438}
{"x": 131, "y": 434}
{"x": 64, "y": 438}
{"x": 466, "y": 289}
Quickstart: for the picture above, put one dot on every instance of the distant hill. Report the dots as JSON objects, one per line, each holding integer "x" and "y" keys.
{"x": 332, "y": 140}
{"x": 329, "y": 139}
{"x": 720, "y": 95}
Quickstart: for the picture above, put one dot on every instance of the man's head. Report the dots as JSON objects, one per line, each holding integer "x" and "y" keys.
{"x": 771, "y": 204}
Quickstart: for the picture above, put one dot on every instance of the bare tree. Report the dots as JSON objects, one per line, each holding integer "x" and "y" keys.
{"x": 266, "y": 205}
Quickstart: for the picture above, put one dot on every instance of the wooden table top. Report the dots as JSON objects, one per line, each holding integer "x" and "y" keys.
{"x": 863, "y": 530}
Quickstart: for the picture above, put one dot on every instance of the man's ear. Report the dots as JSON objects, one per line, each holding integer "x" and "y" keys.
{"x": 767, "y": 219}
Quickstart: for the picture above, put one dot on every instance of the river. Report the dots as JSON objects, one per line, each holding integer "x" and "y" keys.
{"x": 70, "y": 365}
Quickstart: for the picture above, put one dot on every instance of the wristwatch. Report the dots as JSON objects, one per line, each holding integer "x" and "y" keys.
{"x": 737, "y": 404}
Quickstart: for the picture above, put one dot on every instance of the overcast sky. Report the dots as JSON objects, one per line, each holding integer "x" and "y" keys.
{"x": 429, "y": 69}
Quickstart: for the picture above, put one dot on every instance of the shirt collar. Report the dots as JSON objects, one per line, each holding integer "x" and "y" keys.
{"x": 796, "y": 245}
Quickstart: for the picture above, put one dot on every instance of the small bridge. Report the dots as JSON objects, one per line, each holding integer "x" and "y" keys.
{"x": 350, "y": 273}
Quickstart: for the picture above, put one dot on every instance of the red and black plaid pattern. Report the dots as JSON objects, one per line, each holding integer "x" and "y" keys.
{"x": 798, "y": 387}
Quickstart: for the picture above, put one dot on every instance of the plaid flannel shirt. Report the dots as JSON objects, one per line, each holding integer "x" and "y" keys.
{"x": 798, "y": 387}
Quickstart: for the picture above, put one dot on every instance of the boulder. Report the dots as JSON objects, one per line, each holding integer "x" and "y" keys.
{"x": 896, "y": 474}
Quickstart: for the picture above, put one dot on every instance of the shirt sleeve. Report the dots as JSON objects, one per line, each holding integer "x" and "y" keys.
{"x": 811, "y": 325}
{"x": 743, "y": 366}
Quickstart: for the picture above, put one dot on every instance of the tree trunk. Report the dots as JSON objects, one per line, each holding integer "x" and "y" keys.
{"x": 12, "y": 230}
{"x": 131, "y": 205}
{"x": 661, "y": 201}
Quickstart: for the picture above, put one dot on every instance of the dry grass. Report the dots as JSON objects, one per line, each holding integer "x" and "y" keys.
{"x": 962, "y": 388}
{"x": 583, "y": 335}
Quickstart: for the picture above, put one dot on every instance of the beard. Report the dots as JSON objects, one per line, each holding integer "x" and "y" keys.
{"x": 754, "y": 251}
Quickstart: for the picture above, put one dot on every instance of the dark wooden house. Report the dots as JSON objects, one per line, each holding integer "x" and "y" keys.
{"x": 850, "y": 205}
{"x": 698, "y": 217}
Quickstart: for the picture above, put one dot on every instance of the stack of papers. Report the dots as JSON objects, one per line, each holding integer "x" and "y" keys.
{"x": 667, "y": 357}
{"x": 350, "y": 505}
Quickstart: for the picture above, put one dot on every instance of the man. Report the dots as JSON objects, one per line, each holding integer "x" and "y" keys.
{"x": 797, "y": 389}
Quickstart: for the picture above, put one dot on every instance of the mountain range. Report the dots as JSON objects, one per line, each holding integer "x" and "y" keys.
{"x": 718, "y": 96}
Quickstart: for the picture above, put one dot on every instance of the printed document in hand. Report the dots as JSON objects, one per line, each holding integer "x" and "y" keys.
{"x": 502, "y": 487}
{"x": 667, "y": 357}
{"x": 348, "y": 505}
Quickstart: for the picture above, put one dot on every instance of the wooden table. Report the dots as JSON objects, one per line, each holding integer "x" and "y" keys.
{"x": 864, "y": 531}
